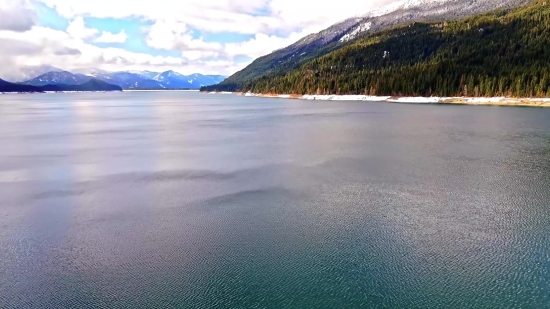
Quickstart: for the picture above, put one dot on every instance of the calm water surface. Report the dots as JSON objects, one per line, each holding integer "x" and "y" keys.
{"x": 183, "y": 200}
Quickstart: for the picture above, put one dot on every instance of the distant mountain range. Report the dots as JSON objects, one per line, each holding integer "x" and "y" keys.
{"x": 145, "y": 74}
{"x": 122, "y": 79}
{"x": 127, "y": 80}
{"x": 171, "y": 79}
{"x": 49, "y": 78}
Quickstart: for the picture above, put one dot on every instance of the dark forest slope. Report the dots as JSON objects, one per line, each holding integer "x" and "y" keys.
{"x": 353, "y": 29}
{"x": 12, "y": 87}
{"x": 505, "y": 52}
{"x": 91, "y": 85}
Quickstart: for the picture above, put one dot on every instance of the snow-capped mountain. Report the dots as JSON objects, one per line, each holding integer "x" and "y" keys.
{"x": 58, "y": 78}
{"x": 171, "y": 79}
{"x": 128, "y": 80}
{"x": 427, "y": 10}
{"x": 199, "y": 80}
{"x": 144, "y": 74}
{"x": 404, "y": 11}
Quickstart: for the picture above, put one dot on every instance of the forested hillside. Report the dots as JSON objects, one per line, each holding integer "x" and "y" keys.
{"x": 12, "y": 87}
{"x": 506, "y": 52}
{"x": 347, "y": 32}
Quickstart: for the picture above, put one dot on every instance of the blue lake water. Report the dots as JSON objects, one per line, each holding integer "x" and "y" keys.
{"x": 187, "y": 200}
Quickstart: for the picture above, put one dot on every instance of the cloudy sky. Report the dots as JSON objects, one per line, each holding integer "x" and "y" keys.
{"x": 188, "y": 36}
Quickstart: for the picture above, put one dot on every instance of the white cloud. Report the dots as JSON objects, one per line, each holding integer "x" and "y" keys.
{"x": 321, "y": 14}
{"x": 175, "y": 36}
{"x": 40, "y": 46}
{"x": 222, "y": 16}
{"x": 108, "y": 37}
{"x": 172, "y": 21}
{"x": 211, "y": 15}
{"x": 261, "y": 44}
{"x": 172, "y": 35}
{"x": 16, "y": 15}
{"x": 273, "y": 23}
{"x": 193, "y": 55}
{"x": 78, "y": 30}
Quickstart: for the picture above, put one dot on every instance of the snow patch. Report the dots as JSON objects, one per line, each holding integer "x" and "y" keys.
{"x": 353, "y": 34}
{"x": 344, "y": 98}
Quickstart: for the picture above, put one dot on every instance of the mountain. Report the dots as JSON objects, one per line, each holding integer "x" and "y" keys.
{"x": 127, "y": 80}
{"x": 54, "y": 78}
{"x": 152, "y": 80}
{"x": 199, "y": 80}
{"x": 91, "y": 85}
{"x": 145, "y": 74}
{"x": 29, "y": 72}
{"x": 171, "y": 79}
{"x": 13, "y": 87}
{"x": 349, "y": 31}
{"x": 501, "y": 53}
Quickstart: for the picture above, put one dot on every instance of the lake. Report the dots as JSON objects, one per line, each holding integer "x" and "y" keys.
{"x": 188, "y": 200}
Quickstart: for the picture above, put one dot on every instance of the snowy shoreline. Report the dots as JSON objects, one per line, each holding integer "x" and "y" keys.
{"x": 500, "y": 101}
{"x": 225, "y": 92}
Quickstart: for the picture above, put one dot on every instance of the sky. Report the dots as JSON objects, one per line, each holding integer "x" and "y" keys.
{"x": 187, "y": 36}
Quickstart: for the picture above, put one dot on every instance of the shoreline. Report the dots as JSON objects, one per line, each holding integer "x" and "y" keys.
{"x": 494, "y": 101}
{"x": 160, "y": 90}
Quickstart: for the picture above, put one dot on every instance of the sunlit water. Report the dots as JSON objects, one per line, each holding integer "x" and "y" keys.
{"x": 184, "y": 200}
